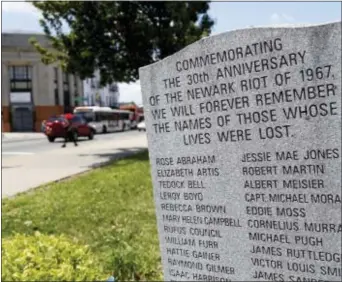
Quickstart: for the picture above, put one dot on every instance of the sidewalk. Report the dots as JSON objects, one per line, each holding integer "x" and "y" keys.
{"x": 21, "y": 136}
{"x": 21, "y": 173}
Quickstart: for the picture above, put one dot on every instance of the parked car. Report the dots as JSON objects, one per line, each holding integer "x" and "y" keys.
{"x": 141, "y": 126}
{"x": 54, "y": 127}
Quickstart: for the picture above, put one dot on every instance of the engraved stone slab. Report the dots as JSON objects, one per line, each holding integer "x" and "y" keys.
{"x": 244, "y": 133}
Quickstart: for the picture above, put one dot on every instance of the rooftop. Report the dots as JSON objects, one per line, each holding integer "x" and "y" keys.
{"x": 22, "y": 39}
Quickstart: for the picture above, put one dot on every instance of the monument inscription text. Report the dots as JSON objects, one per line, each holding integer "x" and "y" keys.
{"x": 244, "y": 132}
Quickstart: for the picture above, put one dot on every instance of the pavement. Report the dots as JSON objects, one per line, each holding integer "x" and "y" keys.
{"x": 30, "y": 163}
{"x": 9, "y": 137}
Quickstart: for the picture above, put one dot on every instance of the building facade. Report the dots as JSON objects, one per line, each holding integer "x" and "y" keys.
{"x": 95, "y": 95}
{"x": 32, "y": 91}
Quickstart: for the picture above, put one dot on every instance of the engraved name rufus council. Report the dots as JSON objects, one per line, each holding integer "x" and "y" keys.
{"x": 200, "y": 121}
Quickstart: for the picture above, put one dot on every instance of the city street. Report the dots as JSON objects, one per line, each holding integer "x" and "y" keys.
{"x": 30, "y": 163}
{"x": 37, "y": 146}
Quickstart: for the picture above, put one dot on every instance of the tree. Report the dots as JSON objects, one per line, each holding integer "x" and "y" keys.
{"x": 118, "y": 37}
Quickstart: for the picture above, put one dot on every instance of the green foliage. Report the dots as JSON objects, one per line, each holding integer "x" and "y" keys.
{"x": 110, "y": 209}
{"x": 119, "y": 37}
{"x": 47, "y": 258}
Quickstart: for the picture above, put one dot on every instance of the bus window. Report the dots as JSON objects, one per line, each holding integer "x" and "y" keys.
{"x": 98, "y": 117}
{"x": 88, "y": 116}
{"x": 124, "y": 116}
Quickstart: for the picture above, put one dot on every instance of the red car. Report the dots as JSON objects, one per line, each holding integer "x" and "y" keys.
{"x": 54, "y": 127}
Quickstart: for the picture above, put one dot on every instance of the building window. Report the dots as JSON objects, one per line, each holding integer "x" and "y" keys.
{"x": 76, "y": 91}
{"x": 56, "y": 96}
{"x": 20, "y": 85}
{"x": 66, "y": 92}
{"x": 56, "y": 86}
{"x": 75, "y": 82}
{"x": 65, "y": 77}
{"x": 55, "y": 74}
{"x": 20, "y": 78}
{"x": 92, "y": 83}
{"x": 113, "y": 87}
{"x": 20, "y": 72}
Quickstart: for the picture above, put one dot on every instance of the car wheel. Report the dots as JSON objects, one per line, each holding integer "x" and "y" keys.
{"x": 51, "y": 139}
{"x": 91, "y": 135}
{"x": 104, "y": 129}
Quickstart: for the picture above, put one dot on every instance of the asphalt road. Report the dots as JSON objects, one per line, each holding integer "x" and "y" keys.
{"x": 36, "y": 146}
{"x": 32, "y": 163}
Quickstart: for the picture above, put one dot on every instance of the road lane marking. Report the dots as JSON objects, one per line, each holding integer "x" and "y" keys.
{"x": 17, "y": 153}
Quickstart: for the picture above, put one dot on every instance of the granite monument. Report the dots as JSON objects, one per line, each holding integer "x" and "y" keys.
{"x": 244, "y": 134}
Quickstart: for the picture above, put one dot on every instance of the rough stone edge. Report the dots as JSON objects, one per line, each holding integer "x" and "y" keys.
{"x": 100, "y": 165}
{"x": 253, "y": 28}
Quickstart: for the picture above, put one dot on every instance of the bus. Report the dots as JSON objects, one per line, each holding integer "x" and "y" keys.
{"x": 137, "y": 113}
{"x": 105, "y": 119}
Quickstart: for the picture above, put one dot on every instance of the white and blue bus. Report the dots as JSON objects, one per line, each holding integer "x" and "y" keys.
{"x": 105, "y": 119}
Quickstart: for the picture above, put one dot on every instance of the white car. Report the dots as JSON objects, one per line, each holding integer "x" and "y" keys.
{"x": 141, "y": 126}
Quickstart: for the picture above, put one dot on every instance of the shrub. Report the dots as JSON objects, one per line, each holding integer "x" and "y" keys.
{"x": 41, "y": 257}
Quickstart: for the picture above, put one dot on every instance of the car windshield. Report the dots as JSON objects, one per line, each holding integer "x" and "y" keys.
{"x": 52, "y": 119}
{"x": 77, "y": 119}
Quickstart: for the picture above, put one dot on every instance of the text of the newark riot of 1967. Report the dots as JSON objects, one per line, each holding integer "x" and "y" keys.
{"x": 246, "y": 110}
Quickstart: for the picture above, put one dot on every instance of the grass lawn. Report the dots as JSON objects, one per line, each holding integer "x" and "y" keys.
{"x": 111, "y": 209}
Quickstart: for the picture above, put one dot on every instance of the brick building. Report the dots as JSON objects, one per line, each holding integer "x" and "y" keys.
{"x": 32, "y": 91}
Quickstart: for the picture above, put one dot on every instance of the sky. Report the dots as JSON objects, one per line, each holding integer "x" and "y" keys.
{"x": 23, "y": 17}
